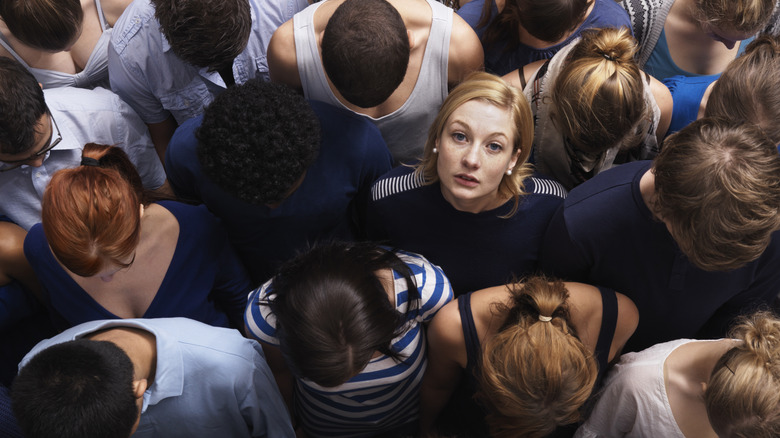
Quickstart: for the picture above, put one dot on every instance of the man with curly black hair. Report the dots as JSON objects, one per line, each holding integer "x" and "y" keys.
{"x": 169, "y": 58}
{"x": 279, "y": 171}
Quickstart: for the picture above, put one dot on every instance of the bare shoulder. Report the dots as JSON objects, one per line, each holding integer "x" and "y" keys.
{"x": 528, "y": 71}
{"x": 446, "y": 332}
{"x": 465, "y": 53}
{"x": 663, "y": 98}
{"x": 282, "y": 58}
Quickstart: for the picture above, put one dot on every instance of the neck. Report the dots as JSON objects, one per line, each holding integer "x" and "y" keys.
{"x": 647, "y": 189}
{"x": 139, "y": 345}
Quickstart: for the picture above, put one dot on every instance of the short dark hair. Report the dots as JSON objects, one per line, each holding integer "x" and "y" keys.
{"x": 257, "y": 140}
{"x": 205, "y": 33}
{"x": 21, "y": 107}
{"x": 365, "y": 51}
{"x": 547, "y": 20}
{"x": 77, "y": 389}
{"x": 717, "y": 187}
{"x": 332, "y": 311}
{"x": 49, "y": 25}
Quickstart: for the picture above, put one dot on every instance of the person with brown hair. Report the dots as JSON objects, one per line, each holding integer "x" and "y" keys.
{"x": 103, "y": 251}
{"x": 518, "y": 32}
{"x": 593, "y": 107}
{"x": 473, "y": 180}
{"x": 694, "y": 37}
{"x": 64, "y": 43}
{"x": 691, "y": 237}
{"x": 696, "y": 388}
{"x": 532, "y": 352}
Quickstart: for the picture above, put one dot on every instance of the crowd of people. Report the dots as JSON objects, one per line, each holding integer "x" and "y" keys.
{"x": 391, "y": 218}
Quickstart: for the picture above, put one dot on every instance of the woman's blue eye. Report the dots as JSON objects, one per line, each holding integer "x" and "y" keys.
{"x": 495, "y": 147}
{"x": 458, "y": 136}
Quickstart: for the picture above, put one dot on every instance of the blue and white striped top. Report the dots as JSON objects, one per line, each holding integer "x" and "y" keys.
{"x": 385, "y": 394}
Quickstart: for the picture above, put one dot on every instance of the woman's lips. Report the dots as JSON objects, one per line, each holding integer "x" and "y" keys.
{"x": 466, "y": 180}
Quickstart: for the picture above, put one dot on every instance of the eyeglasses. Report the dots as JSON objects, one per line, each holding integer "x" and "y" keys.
{"x": 13, "y": 164}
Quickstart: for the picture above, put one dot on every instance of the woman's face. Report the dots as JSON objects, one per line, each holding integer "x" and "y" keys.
{"x": 475, "y": 149}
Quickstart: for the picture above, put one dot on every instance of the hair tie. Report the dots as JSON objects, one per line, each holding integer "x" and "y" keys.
{"x": 545, "y": 318}
{"x": 89, "y": 161}
{"x": 607, "y": 57}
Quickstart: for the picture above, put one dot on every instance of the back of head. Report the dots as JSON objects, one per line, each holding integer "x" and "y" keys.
{"x": 759, "y": 102}
{"x": 717, "y": 187}
{"x": 21, "y": 107}
{"x": 205, "y": 33}
{"x": 743, "y": 394}
{"x": 494, "y": 90}
{"x": 365, "y": 51}
{"x": 598, "y": 98}
{"x": 257, "y": 140}
{"x": 77, "y": 389}
{"x": 535, "y": 373}
{"x": 745, "y": 16}
{"x": 333, "y": 312}
{"x": 91, "y": 213}
{"x": 48, "y": 25}
{"x": 547, "y": 20}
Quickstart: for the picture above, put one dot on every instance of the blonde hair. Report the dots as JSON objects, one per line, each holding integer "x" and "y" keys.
{"x": 494, "y": 90}
{"x": 535, "y": 374}
{"x": 743, "y": 395}
{"x": 746, "y": 16}
{"x": 598, "y": 99}
{"x": 760, "y": 102}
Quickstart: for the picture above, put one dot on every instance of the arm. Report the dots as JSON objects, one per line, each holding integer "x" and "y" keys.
{"x": 465, "y": 54}
{"x": 663, "y": 98}
{"x": 12, "y": 260}
{"x": 161, "y": 134}
{"x": 528, "y": 71}
{"x": 231, "y": 284}
{"x": 446, "y": 360}
{"x": 284, "y": 378}
{"x": 282, "y": 59}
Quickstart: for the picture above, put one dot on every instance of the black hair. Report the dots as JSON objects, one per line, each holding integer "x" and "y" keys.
{"x": 21, "y": 107}
{"x": 365, "y": 51}
{"x": 77, "y": 389}
{"x": 257, "y": 140}
{"x": 205, "y": 33}
{"x": 547, "y": 20}
{"x": 49, "y": 25}
{"x": 332, "y": 311}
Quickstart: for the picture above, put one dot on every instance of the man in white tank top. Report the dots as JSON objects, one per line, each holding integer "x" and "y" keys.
{"x": 392, "y": 61}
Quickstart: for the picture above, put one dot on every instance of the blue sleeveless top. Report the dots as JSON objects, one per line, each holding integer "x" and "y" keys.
{"x": 687, "y": 93}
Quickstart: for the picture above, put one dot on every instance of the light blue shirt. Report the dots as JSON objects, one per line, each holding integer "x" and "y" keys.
{"x": 83, "y": 116}
{"x": 209, "y": 381}
{"x": 156, "y": 83}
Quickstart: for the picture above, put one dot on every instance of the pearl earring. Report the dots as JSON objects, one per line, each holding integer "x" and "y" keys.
{"x": 509, "y": 171}
{"x": 435, "y": 151}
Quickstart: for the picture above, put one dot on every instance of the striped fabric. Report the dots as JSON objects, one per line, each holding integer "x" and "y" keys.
{"x": 384, "y": 395}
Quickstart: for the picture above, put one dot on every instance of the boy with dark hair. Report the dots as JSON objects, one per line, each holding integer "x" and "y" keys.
{"x": 169, "y": 58}
{"x": 42, "y": 132}
{"x": 280, "y": 172}
{"x": 691, "y": 238}
{"x": 148, "y": 377}
{"x": 391, "y": 61}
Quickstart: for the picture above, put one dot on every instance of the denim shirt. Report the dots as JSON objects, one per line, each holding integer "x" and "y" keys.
{"x": 146, "y": 73}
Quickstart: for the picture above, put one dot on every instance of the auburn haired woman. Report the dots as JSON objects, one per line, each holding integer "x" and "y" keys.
{"x": 342, "y": 329}
{"x": 593, "y": 107}
{"x": 532, "y": 352}
{"x": 101, "y": 252}
{"x": 696, "y": 388}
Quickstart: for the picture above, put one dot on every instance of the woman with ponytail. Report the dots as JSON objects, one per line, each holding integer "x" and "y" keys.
{"x": 532, "y": 352}
{"x": 593, "y": 107}
{"x": 103, "y": 251}
{"x": 694, "y": 388}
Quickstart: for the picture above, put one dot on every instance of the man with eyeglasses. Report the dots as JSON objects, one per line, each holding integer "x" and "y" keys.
{"x": 43, "y": 132}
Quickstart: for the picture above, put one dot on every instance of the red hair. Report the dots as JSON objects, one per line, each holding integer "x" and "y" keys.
{"x": 90, "y": 213}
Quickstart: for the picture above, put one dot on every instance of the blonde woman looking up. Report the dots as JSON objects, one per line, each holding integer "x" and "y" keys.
{"x": 593, "y": 107}
{"x": 694, "y": 37}
{"x": 62, "y": 42}
{"x": 532, "y": 352}
{"x": 688, "y": 388}
{"x": 472, "y": 204}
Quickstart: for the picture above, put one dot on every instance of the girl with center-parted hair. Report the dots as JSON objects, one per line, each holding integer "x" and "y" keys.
{"x": 342, "y": 330}
{"x": 472, "y": 204}
{"x": 593, "y": 107}
{"x": 696, "y": 388}
{"x": 533, "y": 354}
{"x": 103, "y": 251}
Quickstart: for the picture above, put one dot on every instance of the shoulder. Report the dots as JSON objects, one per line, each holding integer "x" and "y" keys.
{"x": 398, "y": 181}
{"x": 465, "y": 52}
{"x": 183, "y": 144}
{"x": 446, "y": 331}
{"x": 137, "y": 20}
{"x": 432, "y": 284}
{"x": 352, "y": 132}
{"x": 608, "y": 13}
{"x": 602, "y": 190}
{"x": 282, "y": 57}
{"x": 259, "y": 320}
